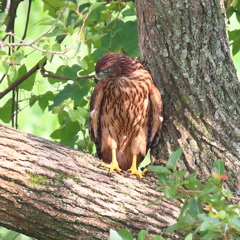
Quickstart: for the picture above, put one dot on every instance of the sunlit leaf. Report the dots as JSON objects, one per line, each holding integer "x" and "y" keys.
{"x": 114, "y": 235}
{"x": 125, "y": 234}
{"x": 142, "y": 235}
{"x": 28, "y": 83}
{"x": 189, "y": 236}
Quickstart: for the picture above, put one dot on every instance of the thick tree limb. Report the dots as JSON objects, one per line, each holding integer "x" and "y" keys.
{"x": 50, "y": 191}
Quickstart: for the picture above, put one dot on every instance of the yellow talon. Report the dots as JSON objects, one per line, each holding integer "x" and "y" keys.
{"x": 133, "y": 169}
{"x": 113, "y": 165}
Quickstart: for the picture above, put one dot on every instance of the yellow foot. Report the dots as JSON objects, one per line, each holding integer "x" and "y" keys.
{"x": 112, "y": 166}
{"x": 134, "y": 171}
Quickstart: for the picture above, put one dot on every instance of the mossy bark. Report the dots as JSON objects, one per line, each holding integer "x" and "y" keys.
{"x": 185, "y": 46}
{"x": 49, "y": 191}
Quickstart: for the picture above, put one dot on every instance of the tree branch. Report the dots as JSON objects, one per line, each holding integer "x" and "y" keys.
{"x": 48, "y": 74}
{"x": 65, "y": 195}
{"x": 20, "y": 80}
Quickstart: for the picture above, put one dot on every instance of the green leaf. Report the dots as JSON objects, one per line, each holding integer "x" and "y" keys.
{"x": 122, "y": 36}
{"x": 169, "y": 192}
{"x": 79, "y": 115}
{"x": 5, "y": 111}
{"x": 2, "y": 16}
{"x": 125, "y": 234}
{"x": 204, "y": 217}
{"x": 56, "y": 32}
{"x": 193, "y": 183}
{"x": 230, "y": 11}
{"x": 68, "y": 133}
{"x": 207, "y": 226}
{"x": 189, "y": 236}
{"x": 73, "y": 91}
{"x": 71, "y": 72}
{"x": 12, "y": 75}
{"x": 2, "y": 35}
{"x": 146, "y": 160}
{"x": 173, "y": 159}
{"x": 221, "y": 214}
{"x": 28, "y": 83}
{"x": 159, "y": 169}
{"x": 181, "y": 174}
{"x": 17, "y": 56}
{"x": 44, "y": 99}
{"x": 173, "y": 228}
{"x": 96, "y": 5}
{"x": 219, "y": 165}
{"x": 205, "y": 192}
{"x": 114, "y": 235}
{"x": 142, "y": 235}
{"x": 157, "y": 237}
{"x": 235, "y": 223}
{"x": 192, "y": 206}
{"x": 211, "y": 235}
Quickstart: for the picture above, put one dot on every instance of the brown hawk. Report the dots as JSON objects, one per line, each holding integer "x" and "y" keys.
{"x": 125, "y": 113}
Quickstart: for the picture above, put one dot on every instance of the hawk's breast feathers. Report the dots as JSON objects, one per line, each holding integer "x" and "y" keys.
{"x": 125, "y": 110}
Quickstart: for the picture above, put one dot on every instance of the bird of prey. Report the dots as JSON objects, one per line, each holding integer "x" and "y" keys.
{"x": 125, "y": 113}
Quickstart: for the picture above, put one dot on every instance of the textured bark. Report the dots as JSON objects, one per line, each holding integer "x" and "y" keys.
{"x": 184, "y": 45}
{"x": 49, "y": 191}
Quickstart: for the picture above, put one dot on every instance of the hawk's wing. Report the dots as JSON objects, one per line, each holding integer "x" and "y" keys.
{"x": 95, "y": 117}
{"x": 155, "y": 121}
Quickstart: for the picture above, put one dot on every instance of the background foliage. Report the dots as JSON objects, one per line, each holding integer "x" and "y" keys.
{"x": 69, "y": 48}
{"x": 48, "y": 50}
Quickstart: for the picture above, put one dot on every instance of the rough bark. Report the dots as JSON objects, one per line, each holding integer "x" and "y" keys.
{"x": 49, "y": 191}
{"x": 184, "y": 45}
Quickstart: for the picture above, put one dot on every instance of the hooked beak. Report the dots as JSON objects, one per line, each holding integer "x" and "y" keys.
{"x": 96, "y": 79}
{"x": 99, "y": 76}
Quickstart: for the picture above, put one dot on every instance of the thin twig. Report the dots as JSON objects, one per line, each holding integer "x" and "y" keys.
{"x": 30, "y": 44}
{"x": 83, "y": 24}
{"x": 44, "y": 74}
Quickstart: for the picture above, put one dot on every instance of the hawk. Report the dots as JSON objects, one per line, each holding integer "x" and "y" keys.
{"x": 125, "y": 113}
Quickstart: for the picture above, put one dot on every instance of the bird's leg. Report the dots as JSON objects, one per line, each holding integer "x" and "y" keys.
{"x": 133, "y": 169}
{"x": 114, "y": 164}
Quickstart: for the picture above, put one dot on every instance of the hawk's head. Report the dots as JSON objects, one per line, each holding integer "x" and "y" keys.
{"x": 114, "y": 65}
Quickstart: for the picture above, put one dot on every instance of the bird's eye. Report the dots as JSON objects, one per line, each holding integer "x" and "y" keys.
{"x": 105, "y": 70}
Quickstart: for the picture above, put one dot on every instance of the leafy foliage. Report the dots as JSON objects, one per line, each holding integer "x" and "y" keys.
{"x": 233, "y": 8}
{"x": 70, "y": 36}
{"x": 207, "y": 212}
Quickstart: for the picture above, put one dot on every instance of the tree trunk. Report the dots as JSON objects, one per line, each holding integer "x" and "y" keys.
{"x": 49, "y": 191}
{"x": 185, "y": 47}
